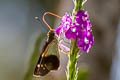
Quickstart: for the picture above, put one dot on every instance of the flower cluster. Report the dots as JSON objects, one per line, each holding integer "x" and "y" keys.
{"x": 80, "y": 29}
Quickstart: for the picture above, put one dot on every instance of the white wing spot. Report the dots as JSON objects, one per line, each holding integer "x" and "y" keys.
{"x": 38, "y": 65}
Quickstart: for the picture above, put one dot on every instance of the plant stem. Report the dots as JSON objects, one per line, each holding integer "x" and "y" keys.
{"x": 77, "y": 5}
{"x": 72, "y": 61}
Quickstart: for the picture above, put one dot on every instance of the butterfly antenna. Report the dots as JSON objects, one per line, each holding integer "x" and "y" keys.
{"x": 43, "y": 18}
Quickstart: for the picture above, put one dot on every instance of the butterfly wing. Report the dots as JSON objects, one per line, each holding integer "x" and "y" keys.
{"x": 49, "y": 58}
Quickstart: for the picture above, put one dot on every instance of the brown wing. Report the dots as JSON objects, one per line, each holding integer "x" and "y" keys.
{"x": 48, "y": 59}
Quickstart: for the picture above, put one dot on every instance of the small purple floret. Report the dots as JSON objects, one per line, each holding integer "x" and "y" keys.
{"x": 80, "y": 29}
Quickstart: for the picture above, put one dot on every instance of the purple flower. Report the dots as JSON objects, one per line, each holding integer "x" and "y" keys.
{"x": 66, "y": 22}
{"x": 85, "y": 42}
{"x": 80, "y": 29}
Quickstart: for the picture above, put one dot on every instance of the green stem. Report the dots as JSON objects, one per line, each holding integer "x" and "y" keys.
{"x": 77, "y": 5}
{"x": 72, "y": 62}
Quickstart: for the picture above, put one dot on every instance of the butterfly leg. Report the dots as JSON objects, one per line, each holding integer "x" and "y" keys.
{"x": 62, "y": 48}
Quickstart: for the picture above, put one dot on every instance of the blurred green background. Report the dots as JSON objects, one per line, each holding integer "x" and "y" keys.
{"x": 19, "y": 32}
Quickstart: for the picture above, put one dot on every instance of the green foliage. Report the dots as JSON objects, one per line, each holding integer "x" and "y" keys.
{"x": 82, "y": 73}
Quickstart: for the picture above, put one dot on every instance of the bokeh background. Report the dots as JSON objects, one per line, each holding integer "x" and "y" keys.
{"x": 19, "y": 32}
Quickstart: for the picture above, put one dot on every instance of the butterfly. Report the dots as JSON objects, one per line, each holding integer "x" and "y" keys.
{"x": 49, "y": 57}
